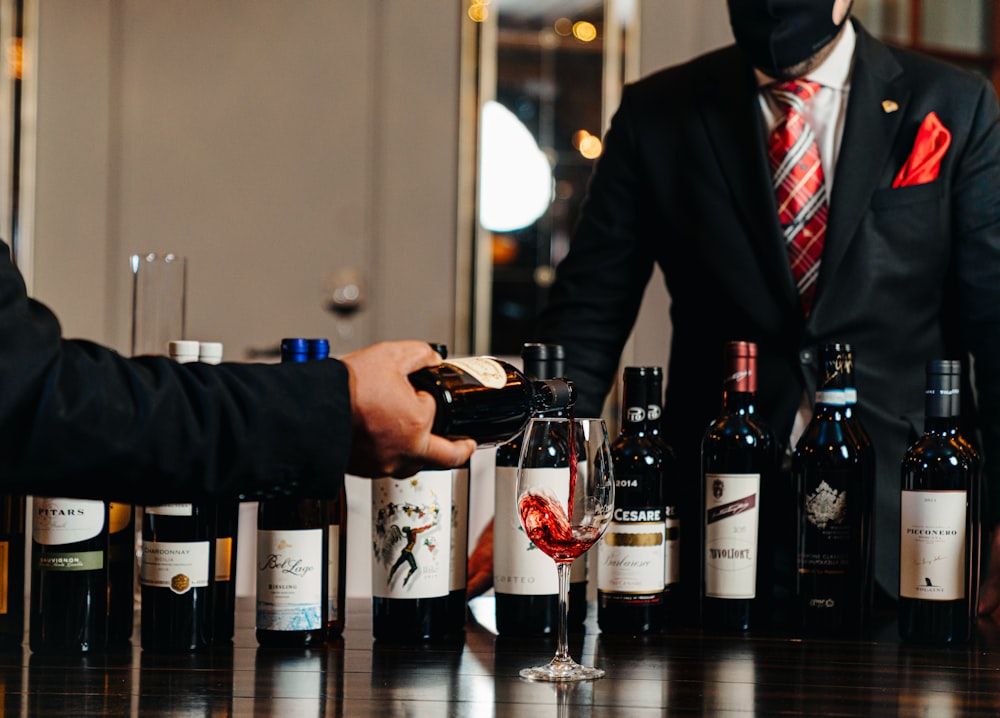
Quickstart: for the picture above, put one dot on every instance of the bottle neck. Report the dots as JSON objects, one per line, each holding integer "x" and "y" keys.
{"x": 940, "y": 424}
{"x": 738, "y": 402}
{"x": 635, "y": 393}
{"x": 633, "y": 428}
{"x": 833, "y": 398}
{"x": 552, "y": 395}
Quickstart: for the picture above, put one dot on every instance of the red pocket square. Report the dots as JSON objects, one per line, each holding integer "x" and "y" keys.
{"x": 924, "y": 161}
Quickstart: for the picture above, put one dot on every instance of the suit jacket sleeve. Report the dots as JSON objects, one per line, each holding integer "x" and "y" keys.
{"x": 78, "y": 419}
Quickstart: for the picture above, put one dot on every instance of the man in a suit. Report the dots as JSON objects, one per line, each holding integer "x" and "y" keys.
{"x": 77, "y": 419}
{"x": 906, "y": 273}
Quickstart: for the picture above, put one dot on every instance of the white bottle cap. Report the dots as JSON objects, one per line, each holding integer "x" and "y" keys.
{"x": 210, "y": 352}
{"x": 183, "y": 350}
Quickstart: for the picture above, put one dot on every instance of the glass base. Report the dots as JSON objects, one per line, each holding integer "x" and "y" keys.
{"x": 562, "y": 671}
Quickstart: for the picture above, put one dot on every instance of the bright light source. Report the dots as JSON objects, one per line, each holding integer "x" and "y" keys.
{"x": 478, "y": 12}
{"x": 591, "y": 147}
{"x": 515, "y": 177}
{"x": 584, "y": 31}
{"x": 563, "y": 26}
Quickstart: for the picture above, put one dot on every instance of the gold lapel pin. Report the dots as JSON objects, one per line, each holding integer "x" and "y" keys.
{"x": 888, "y": 106}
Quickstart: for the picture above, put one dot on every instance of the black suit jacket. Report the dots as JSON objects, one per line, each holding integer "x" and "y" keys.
{"x": 908, "y": 274}
{"x": 77, "y": 419}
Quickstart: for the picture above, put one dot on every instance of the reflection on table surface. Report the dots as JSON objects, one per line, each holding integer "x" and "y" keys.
{"x": 683, "y": 673}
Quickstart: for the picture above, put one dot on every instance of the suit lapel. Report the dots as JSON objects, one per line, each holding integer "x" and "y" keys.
{"x": 867, "y": 141}
{"x": 741, "y": 156}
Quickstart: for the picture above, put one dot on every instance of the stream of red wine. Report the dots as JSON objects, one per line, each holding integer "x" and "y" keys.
{"x": 572, "y": 463}
{"x": 549, "y": 525}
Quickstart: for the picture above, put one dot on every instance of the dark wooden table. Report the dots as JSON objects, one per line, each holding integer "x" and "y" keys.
{"x": 684, "y": 673}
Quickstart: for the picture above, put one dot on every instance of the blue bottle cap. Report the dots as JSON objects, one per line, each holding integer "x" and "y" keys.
{"x": 295, "y": 349}
{"x": 319, "y": 348}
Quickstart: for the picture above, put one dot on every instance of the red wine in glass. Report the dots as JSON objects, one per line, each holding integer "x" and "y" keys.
{"x": 564, "y": 510}
{"x": 548, "y": 528}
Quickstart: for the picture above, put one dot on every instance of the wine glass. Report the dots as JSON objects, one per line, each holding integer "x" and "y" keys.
{"x": 565, "y": 496}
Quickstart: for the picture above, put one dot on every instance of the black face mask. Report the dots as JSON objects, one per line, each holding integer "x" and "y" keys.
{"x": 779, "y": 34}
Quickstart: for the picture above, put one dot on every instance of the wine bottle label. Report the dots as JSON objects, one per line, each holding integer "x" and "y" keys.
{"x": 932, "y": 545}
{"x": 833, "y": 397}
{"x": 177, "y": 565}
{"x": 827, "y": 537}
{"x": 333, "y": 572}
{"x": 119, "y": 516}
{"x": 74, "y": 561}
{"x": 290, "y": 580}
{"x": 65, "y": 521}
{"x": 631, "y": 559}
{"x": 487, "y": 371}
{"x": 672, "y": 548}
{"x": 459, "y": 528}
{"x": 731, "y": 514}
{"x": 171, "y": 510}
{"x": 411, "y": 536}
{"x": 224, "y": 558}
{"x": 519, "y": 567}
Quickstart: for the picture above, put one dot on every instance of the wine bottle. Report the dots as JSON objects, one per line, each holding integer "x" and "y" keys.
{"x": 526, "y": 590}
{"x": 631, "y": 558}
{"x": 834, "y": 504}
{"x": 12, "y": 514}
{"x": 487, "y": 399}
{"x": 69, "y": 575}
{"x": 458, "y": 569}
{"x": 459, "y": 565}
{"x": 415, "y": 577}
{"x": 292, "y": 559}
{"x": 671, "y": 513}
{"x": 292, "y": 568}
{"x": 939, "y": 532}
{"x": 336, "y": 605}
{"x": 177, "y": 572}
{"x": 737, "y": 458}
{"x": 336, "y": 513}
{"x": 225, "y": 534}
{"x": 121, "y": 573}
{"x": 851, "y": 414}
{"x": 411, "y": 557}
{"x": 176, "y": 577}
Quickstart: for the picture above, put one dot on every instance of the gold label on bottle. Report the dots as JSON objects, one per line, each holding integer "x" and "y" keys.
{"x": 486, "y": 370}
{"x": 119, "y": 516}
{"x": 224, "y": 558}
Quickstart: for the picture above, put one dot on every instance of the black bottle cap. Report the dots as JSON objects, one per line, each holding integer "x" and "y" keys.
{"x": 636, "y": 372}
{"x": 543, "y": 361}
{"x": 944, "y": 386}
{"x": 944, "y": 366}
{"x": 636, "y": 393}
{"x": 557, "y": 393}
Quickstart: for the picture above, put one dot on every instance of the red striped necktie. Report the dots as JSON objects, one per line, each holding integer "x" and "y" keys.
{"x": 799, "y": 186}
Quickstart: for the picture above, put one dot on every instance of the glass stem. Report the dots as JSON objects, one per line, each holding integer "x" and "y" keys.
{"x": 562, "y": 649}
